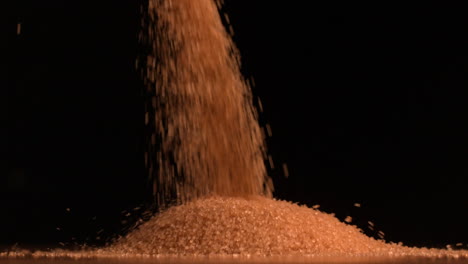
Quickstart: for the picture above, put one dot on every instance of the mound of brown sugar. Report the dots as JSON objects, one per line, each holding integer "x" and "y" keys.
{"x": 256, "y": 226}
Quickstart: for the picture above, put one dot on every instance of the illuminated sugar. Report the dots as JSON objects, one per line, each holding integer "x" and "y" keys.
{"x": 210, "y": 139}
{"x": 208, "y": 126}
{"x": 257, "y": 226}
{"x": 252, "y": 226}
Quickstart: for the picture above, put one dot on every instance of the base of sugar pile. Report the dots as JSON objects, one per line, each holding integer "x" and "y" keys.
{"x": 257, "y": 226}
{"x": 248, "y": 227}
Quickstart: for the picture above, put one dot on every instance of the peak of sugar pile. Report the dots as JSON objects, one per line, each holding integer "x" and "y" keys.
{"x": 256, "y": 226}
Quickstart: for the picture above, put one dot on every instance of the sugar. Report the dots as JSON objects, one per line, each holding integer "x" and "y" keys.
{"x": 211, "y": 142}
{"x": 258, "y": 226}
{"x": 208, "y": 126}
{"x": 250, "y": 226}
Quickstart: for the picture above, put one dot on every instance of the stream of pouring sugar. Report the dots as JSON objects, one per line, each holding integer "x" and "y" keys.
{"x": 210, "y": 139}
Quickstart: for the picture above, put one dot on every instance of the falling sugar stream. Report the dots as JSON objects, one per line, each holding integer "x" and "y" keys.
{"x": 210, "y": 139}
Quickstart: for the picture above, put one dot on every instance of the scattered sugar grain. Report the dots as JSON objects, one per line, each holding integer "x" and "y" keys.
{"x": 285, "y": 170}
{"x": 268, "y": 128}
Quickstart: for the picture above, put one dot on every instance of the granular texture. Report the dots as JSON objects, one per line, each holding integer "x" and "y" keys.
{"x": 256, "y": 226}
{"x": 211, "y": 157}
{"x": 244, "y": 228}
{"x": 205, "y": 121}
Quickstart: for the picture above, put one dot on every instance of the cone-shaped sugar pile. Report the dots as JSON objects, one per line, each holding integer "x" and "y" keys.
{"x": 246, "y": 227}
{"x": 253, "y": 225}
{"x": 256, "y": 226}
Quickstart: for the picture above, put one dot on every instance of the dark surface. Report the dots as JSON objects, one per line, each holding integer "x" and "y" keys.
{"x": 366, "y": 107}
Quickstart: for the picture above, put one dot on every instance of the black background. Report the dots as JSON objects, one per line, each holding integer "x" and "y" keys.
{"x": 367, "y": 104}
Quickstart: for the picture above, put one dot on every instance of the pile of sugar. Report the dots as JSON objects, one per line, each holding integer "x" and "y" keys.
{"x": 256, "y": 226}
{"x": 252, "y": 227}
